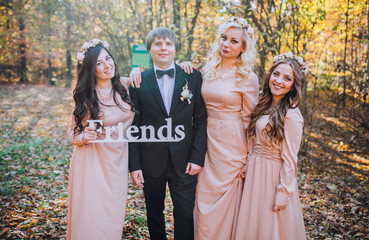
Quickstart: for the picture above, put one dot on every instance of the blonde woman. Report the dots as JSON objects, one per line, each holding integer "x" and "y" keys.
{"x": 230, "y": 93}
{"x": 270, "y": 207}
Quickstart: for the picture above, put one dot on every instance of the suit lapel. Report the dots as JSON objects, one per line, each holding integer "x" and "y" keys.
{"x": 178, "y": 87}
{"x": 154, "y": 88}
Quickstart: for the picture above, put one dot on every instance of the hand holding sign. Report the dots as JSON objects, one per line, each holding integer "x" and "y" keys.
{"x": 89, "y": 134}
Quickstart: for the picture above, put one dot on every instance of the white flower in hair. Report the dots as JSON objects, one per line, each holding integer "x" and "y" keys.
{"x": 95, "y": 41}
{"x": 87, "y": 45}
{"x": 278, "y": 57}
{"x": 80, "y": 56}
{"x": 289, "y": 55}
{"x": 243, "y": 22}
{"x": 105, "y": 44}
{"x": 299, "y": 60}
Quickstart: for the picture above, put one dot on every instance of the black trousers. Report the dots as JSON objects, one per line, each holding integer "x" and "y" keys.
{"x": 182, "y": 191}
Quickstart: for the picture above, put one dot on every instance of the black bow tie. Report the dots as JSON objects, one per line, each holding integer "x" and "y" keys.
{"x": 169, "y": 72}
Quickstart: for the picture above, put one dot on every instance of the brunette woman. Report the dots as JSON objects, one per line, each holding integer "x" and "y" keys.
{"x": 98, "y": 174}
{"x": 270, "y": 207}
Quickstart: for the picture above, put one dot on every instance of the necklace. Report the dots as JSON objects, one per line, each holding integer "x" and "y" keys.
{"x": 102, "y": 97}
{"x": 227, "y": 74}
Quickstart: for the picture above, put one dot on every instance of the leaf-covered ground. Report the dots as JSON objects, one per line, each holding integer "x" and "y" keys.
{"x": 35, "y": 153}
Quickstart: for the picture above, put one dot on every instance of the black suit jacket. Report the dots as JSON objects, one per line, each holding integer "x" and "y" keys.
{"x": 152, "y": 157}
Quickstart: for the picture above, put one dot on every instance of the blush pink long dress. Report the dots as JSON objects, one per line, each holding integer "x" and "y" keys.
{"x": 272, "y": 174}
{"x": 218, "y": 192}
{"x": 98, "y": 180}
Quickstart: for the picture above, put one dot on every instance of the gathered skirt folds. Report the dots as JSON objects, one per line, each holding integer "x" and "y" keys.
{"x": 256, "y": 219}
{"x": 98, "y": 180}
{"x": 218, "y": 192}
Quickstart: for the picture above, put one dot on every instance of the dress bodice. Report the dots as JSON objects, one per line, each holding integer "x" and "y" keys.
{"x": 261, "y": 140}
{"x": 227, "y": 98}
{"x": 112, "y": 114}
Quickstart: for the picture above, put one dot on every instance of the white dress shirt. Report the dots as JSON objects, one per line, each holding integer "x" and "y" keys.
{"x": 166, "y": 86}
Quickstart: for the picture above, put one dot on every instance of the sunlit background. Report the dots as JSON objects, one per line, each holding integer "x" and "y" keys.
{"x": 38, "y": 43}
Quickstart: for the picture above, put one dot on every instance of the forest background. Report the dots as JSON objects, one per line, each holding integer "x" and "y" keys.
{"x": 38, "y": 43}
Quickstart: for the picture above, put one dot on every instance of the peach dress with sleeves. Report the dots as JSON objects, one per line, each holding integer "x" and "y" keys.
{"x": 272, "y": 174}
{"x": 229, "y": 105}
{"x": 98, "y": 179}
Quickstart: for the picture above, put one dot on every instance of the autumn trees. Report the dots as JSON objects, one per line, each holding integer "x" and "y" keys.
{"x": 38, "y": 44}
{"x": 13, "y": 39}
{"x": 40, "y": 38}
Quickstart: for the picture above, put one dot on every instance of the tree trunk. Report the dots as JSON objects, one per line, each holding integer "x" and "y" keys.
{"x": 68, "y": 71}
{"x": 191, "y": 30}
{"x": 165, "y": 12}
{"x": 8, "y": 19}
{"x": 68, "y": 56}
{"x": 152, "y": 15}
{"x": 248, "y": 11}
{"x": 49, "y": 67}
{"x": 262, "y": 66}
{"x": 22, "y": 49}
{"x": 162, "y": 13}
{"x": 264, "y": 26}
{"x": 367, "y": 52}
{"x": 344, "y": 58}
{"x": 177, "y": 20}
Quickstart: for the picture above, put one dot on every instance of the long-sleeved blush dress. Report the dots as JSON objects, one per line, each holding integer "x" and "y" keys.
{"x": 272, "y": 174}
{"x": 229, "y": 105}
{"x": 98, "y": 179}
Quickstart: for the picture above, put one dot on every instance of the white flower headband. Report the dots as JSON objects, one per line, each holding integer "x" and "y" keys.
{"x": 243, "y": 22}
{"x": 298, "y": 59}
{"x": 88, "y": 45}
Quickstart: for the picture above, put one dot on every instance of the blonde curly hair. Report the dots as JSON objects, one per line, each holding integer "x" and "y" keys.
{"x": 244, "y": 62}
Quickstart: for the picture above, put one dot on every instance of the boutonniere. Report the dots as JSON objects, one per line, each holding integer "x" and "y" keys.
{"x": 186, "y": 94}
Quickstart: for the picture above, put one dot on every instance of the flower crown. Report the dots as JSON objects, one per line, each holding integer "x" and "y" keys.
{"x": 243, "y": 22}
{"x": 299, "y": 60}
{"x": 87, "y": 45}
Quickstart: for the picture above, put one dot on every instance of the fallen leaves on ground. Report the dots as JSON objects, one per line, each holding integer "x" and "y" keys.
{"x": 35, "y": 154}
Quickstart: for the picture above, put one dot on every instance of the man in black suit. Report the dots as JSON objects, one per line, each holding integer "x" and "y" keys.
{"x": 162, "y": 95}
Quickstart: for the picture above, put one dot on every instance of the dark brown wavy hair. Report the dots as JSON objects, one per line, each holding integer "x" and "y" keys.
{"x": 84, "y": 94}
{"x": 274, "y": 129}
